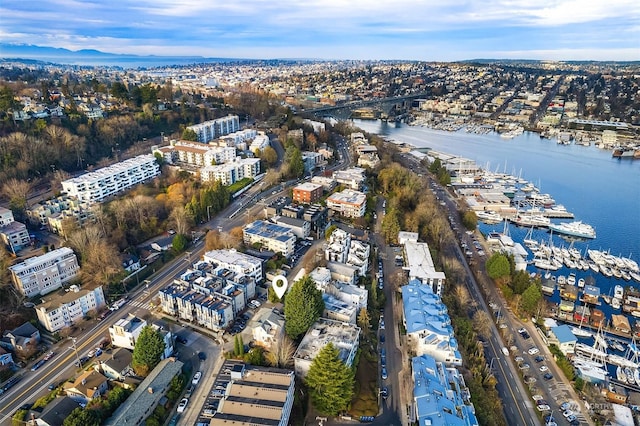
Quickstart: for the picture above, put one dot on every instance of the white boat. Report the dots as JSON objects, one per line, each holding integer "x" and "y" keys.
{"x": 630, "y": 376}
{"x": 580, "y": 332}
{"x": 591, "y": 373}
{"x": 535, "y": 220}
{"x": 590, "y": 351}
{"x": 581, "y": 283}
{"x": 575, "y": 229}
{"x": 571, "y": 279}
{"x": 562, "y": 279}
{"x": 621, "y": 375}
{"x": 616, "y": 272}
{"x": 489, "y": 216}
{"x": 616, "y": 303}
{"x": 618, "y": 292}
{"x": 635, "y": 276}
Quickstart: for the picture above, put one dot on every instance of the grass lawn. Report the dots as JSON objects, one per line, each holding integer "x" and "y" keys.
{"x": 365, "y": 400}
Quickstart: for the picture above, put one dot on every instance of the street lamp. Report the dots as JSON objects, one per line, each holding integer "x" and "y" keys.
{"x": 491, "y": 363}
{"x": 75, "y": 348}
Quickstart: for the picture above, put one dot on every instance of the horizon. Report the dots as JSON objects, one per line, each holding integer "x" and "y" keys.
{"x": 547, "y": 30}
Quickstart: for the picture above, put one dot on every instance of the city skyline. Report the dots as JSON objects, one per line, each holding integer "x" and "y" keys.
{"x": 335, "y": 29}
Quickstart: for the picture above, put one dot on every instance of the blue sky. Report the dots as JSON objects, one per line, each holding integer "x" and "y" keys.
{"x": 433, "y": 30}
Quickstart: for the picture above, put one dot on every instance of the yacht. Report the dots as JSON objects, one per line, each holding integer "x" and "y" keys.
{"x": 571, "y": 280}
{"x": 535, "y": 220}
{"x": 489, "y": 216}
{"x": 580, "y": 332}
{"x": 618, "y": 292}
{"x": 581, "y": 282}
{"x": 575, "y": 229}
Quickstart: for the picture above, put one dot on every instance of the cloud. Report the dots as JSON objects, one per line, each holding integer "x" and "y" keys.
{"x": 328, "y": 28}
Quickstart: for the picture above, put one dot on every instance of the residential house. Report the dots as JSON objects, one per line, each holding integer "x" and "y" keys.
{"x": 55, "y": 412}
{"x": 18, "y": 338}
{"x": 348, "y": 203}
{"x": 117, "y": 365}
{"x": 87, "y": 386}
{"x": 267, "y": 327}
{"x": 563, "y": 338}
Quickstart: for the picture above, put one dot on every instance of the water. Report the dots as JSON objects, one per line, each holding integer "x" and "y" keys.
{"x": 598, "y": 189}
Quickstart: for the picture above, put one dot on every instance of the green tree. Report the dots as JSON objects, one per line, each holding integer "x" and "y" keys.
{"x": 179, "y": 243}
{"x": 293, "y": 158}
{"x": 530, "y": 298}
{"x": 391, "y": 226}
{"x": 330, "y": 382}
{"x": 147, "y": 351}
{"x": 119, "y": 91}
{"x": 82, "y": 417}
{"x": 7, "y": 100}
{"x": 470, "y": 220}
{"x": 238, "y": 346}
{"x": 329, "y": 231}
{"x": 303, "y": 305}
{"x": 255, "y": 356}
{"x": 364, "y": 322}
{"x": 498, "y": 266}
{"x": 189, "y": 135}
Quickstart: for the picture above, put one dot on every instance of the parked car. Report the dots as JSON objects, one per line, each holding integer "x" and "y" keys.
{"x": 91, "y": 353}
{"x": 37, "y": 365}
{"x": 544, "y": 368}
{"x": 533, "y": 350}
{"x": 196, "y": 378}
{"x": 82, "y": 361}
{"x": 202, "y": 356}
{"x": 548, "y": 376}
{"x": 181, "y": 339}
{"x": 182, "y": 405}
{"x": 384, "y": 373}
{"x": 384, "y": 392}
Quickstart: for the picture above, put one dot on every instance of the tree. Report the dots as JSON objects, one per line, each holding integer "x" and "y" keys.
{"x": 17, "y": 191}
{"x": 255, "y": 356}
{"x": 179, "y": 243}
{"x": 269, "y": 156}
{"x": 147, "y": 351}
{"x": 82, "y": 417}
{"x": 330, "y": 382}
{"x": 238, "y": 346}
{"x": 189, "y": 135}
{"x": 364, "y": 322}
{"x": 470, "y": 220}
{"x": 482, "y": 324}
{"x": 530, "y": 298}
{"x": 280, "y": 353}
{"x": 293, "y": 159}
{"x": 498, "y": 266}
{"x": 303, "y": 305}
{"x": 329, "y": 231}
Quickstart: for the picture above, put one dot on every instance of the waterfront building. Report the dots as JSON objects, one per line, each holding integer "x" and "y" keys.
{"x": 210, "y": 130}
{"x": 440, "y": 395}
{"x": 307, "y": 193}
{"x": 429, "y": 329}
{"x": 563, "y": 338}
{"x": 349, "y": 203}
{"x": 420, "y": 265}
{"x": 46, "y": 273}
{"x": 270, "y": 236}
{"x": 345, "y": 337}
{"x": 258, "y": 396}
{"x": 63, "y": 308}
{"x": 231, "y": 172}
{"x": 95, "y": 186}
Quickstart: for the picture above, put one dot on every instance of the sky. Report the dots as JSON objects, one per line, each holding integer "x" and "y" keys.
{"x": 431, "y": 30}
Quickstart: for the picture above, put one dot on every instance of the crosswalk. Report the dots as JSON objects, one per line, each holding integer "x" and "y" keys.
{"x": 138, "y": 304}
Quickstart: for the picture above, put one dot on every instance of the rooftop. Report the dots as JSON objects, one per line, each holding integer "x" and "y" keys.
{"x": 343, "y": 336}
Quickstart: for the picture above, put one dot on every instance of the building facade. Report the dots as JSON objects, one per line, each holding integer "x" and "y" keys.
{"x": 212, "y": 129}
{"x": 271, "y": 236}
{"x": 46, "y": 273}
{"x": 307, "y": 193}
{"x": 231, "y": 172}
{"x": 62, "y": 309}
{"x": 349, "y": 203}
{"x": 94, "y": 187}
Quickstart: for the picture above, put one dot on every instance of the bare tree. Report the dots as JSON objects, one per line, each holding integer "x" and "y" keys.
{"x": 280, "y": 354}
{"x": 181, "y": 219}
{"x": 56, "y": 180}
{"x": 462, "y": 295}
{"x": 482, "y": 324}
{"x": 17, "y": 191}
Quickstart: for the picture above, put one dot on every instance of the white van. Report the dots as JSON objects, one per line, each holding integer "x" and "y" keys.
{"x": 505, "y": 351}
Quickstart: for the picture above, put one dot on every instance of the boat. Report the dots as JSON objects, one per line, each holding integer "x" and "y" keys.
{"x": 621, "y": 374}
{"x": 590, "y": 372}
{"x": 489, "y": 216}
{"x": 574, "y": 229}
{"x": 618, "y": 292}
{"x": 616, "y": 303}
{"x": 580, "y": 332}
{"x": 535, "y": 220}
{"x": 616, "y": 272}
{"x": 562, "y": 280}
{"x": 630, "y": 376}
{"x": 571, "y": 279}
{"x": 635, "y": 276}
{"x": 581, "y": 282}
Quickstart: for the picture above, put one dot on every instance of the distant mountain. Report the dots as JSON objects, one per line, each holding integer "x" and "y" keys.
{"x": 97, "y": 58}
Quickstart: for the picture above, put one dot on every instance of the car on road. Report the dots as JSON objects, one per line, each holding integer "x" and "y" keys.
{"x": 182, "y": 405}
{"x": 196, "y": 378}
{"x": 82, "y": 361}
{"x": 548, "y": 376}
{"x": 98, "y": 351}
{"x": 533, "y": 350}
{"x": 544, "y": 368}
{"x": 384, "y": 373}
{"x": 53, "y": 385}
{"x": 539, "y": 358}
{"x": 38, "y": 365}
{"x": 202, "y": 356}
{"x": 384, "y": 392}
{"x": 49, "y": 355}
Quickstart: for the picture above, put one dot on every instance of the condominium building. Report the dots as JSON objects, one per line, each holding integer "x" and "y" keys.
{"x": 212, "y": 310}
{"x": 256, "y": 396}
{"x": 13, "y": 234}
{"x": 421, "y": 267}
{"x": 6, "y": 216}
{"x": 126, "y": 331}
{"x": 95, "y": 186}
{"x": 231, "y": 172}
{"x": 210, "y": 130}
{"x": 46, "y": 273}
{"x": 270, "y": 236}
{"x": 343, "y": 336}
{"x": 440, "y": 395}
{"x": 300, "y": 228}
{"x": 429, "y": 329}
{"x": 349, "y": 203}
{"x": 307, "y": 193}
{"x": 353, "y": 177}
{"x": 237, "y": 262}
{"x": 61, "y": 309}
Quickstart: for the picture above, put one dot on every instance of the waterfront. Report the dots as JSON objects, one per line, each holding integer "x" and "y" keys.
{"x": 600, "y": 190}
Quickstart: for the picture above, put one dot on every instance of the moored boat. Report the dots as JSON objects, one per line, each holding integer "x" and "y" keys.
{"x": 574, "y": 229}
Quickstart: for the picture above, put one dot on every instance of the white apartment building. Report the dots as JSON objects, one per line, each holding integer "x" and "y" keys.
{"x": 6, "y": 216}
{"x": 260, "y": 142}
{"x": 46, "y": 273}
{"x": 271, "y": 236}
{"x": 125, "y": 331}
{"x": 210, "y": 130}
{"x": 343, "y": 336}
{"x": 62, "y": 309}
{"x": 231, "y": 172}
{"x": 349, "y": 203}
{"x": 237, "y": 262}
{"x": 95, "y": 186}
{"x": 352, "y": 177}
{"x": 421, "y": 267}
{"x": 13, "y": 234}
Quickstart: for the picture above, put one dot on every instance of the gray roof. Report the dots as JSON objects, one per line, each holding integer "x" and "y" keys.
{"x": 142, "y": 401}
{"x": 119, "y": 360}
{"x": 57, "y": 410}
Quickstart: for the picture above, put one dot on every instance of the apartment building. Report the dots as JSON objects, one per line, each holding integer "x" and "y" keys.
{"x": 343, "y": 336}
{"x": 307, "y": 193}
{"x": 13, "y": 234}
{"x": 46, "y": 273}
{"x": 440, "y": 395}
{"x": 210, "y": 130}
{"x": 429, "y": 329}
{"x": 126, "y": 331}
{"x": 337, "y": 310}
{"x": 420, "y": 263}
{"x": 50, "y": 212}
{"x": 211, "y": 311}
{"x": 353, "y": 177}
{"x": 347, "y": 293}
{"x": 231, "y": 172}
{"x": 349, "y": 203}
{"x": 6, "y": 216}
{"x": 94, "y": 187}
{"x": 257, "y": 396}
{"x": 270, "y": 236}
{"x": 63, "y": 308}
{"x": 328, "y": 184}
{"x": 237, "y": 262}
{"x": 300, "y": 228}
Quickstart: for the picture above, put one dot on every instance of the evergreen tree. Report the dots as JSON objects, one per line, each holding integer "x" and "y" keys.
{"x": 303, "y": 305}
{"x": 330, "y": 382}
{"x": 147, "y": 351}
{"x": 498, "y": 266}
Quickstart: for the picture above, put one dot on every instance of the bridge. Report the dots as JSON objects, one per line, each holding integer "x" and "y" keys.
{"x": 383, "y": 105}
